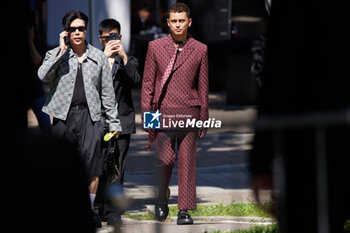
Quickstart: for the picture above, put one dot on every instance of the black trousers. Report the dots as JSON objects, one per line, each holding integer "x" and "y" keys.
{"x": 79, "y": 130}
{"x": 114, "y": 151}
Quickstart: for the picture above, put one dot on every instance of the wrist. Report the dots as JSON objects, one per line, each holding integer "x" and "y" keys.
{"x": 107, "y": 53}
{"x": 124, "y": 57}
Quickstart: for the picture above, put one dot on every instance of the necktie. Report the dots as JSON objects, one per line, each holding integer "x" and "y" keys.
{"x": 167, "y": 73}
{"x": 163, "y": 80}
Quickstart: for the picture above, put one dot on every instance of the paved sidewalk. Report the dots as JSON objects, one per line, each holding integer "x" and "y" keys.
{"x": 222, "y": 177}
{"x": 222, "y": 170}
{"x": 199, "y": 226}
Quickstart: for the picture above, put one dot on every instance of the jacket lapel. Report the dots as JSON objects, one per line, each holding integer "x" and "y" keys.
{"x": 115, "y": 66}
{"x": 184, "y": 54}
{"x": 169, "y": 47}
{"x": 116, "y": 81}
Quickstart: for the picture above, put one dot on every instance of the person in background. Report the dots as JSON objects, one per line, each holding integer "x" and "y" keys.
{"x": 143, "y": 30}
{"x": 125, "y": 77}
{"x": 142, "y": 24}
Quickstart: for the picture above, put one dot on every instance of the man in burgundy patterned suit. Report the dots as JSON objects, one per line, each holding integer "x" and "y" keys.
{"x": 175, "y": 82}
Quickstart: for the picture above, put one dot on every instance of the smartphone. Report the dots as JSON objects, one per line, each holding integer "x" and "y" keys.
{"x": 66, "y": 41}
{"x": 114, "y": 36}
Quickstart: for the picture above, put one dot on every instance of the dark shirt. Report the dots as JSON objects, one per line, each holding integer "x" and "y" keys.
{"x": 79, "y": 96}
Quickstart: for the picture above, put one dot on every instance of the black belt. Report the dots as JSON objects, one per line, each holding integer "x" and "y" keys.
{"x": 78, "y": 106}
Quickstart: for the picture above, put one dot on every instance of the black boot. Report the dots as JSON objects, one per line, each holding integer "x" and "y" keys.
{"x": 161, "y": 208}
{"x": 183, "y": 217}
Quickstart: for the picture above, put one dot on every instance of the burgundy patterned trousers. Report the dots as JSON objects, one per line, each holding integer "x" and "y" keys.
{"x": 164, "y": 147}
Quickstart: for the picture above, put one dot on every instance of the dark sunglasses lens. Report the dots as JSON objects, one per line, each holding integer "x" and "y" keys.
{"x": 73, "y": 29}
{"x": 81, "y": 29}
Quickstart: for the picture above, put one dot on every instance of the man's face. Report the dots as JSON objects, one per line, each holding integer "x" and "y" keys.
{"x": 104, "y": 37}
{"x": 77, "y": 32}
{"x": 144, "y": 14}
{"x": 179, "y": 23}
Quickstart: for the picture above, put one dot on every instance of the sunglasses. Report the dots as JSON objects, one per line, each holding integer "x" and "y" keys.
{"x": 106, "y": 38}
{"x": 80, "y": 29}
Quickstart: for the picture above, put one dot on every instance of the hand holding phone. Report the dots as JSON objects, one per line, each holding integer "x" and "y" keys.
{"x": 64, "y": 40}
{"x": 115, "y": 46}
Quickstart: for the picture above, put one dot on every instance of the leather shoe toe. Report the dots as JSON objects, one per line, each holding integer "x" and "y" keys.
{"x": 183, "y": 217}
{"x": 161, "y": 210}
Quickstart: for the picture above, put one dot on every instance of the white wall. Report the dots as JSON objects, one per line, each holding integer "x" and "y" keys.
{"x": 116, "y": 9}
{"x": 101, "y": 9}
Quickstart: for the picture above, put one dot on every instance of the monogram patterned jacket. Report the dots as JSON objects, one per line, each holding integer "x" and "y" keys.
{"x": 61, "y": 71}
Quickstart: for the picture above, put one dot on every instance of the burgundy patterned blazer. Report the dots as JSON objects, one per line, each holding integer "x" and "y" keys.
{"x": 186, "y": 91}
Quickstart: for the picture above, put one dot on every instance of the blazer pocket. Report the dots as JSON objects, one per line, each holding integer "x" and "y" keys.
{"x": 194, "y": 102}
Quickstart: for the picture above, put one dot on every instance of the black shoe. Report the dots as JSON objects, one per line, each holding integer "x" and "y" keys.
{"x": 114, "y": 221}
{"x": 162, "y": 211}
{"x": 161, "y": 208}
{"x": 183, "y": 217}
{"x": 96, "y": 221}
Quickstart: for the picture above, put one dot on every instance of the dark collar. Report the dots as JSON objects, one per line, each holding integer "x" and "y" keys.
{"x": 182, "y": 42}
{"x": 187, "y": 49}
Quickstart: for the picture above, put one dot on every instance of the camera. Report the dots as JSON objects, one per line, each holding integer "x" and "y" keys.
{"x": 114, "y": 36}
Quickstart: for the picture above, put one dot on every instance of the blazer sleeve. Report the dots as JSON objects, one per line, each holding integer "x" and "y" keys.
{"x": 132, "y": 77}
{"x": 203, "y": 86}
{"x": 148, "y": 81}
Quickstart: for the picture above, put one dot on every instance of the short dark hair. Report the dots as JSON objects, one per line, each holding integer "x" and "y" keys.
{"x": 108, "y": 25}
{"x": 180, "y": 7}
{"x": 145, "y": 7}
{"x": 70, "y": 16}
